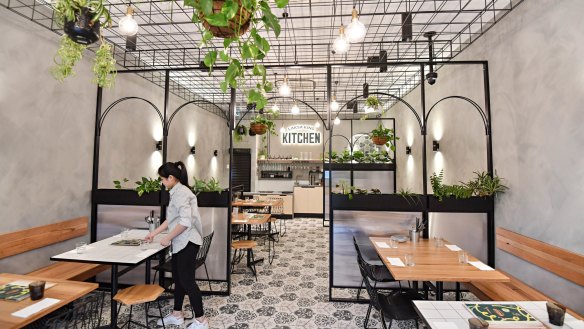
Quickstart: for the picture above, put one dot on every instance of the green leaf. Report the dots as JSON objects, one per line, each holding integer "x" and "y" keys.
{"x": 262, "y": 44}
{"x": 272, "y": 22}
{"x": 223, "y": 86}
{"x": 190, "y": 3}
{"x": 210, "y": 59}
{"x": 268, "y": 86}
{"x": 224, "y": 56}
{"x": 233, "y": 71}
{"x": 281, "y": 3}
{"x": 207, "y": 36}
{"x": 207, "y": 7}
{"x": 260, "y": 71}
{"x": 246, "y": 51}
{"x": 229, "y": 9}
{"x": 227, "y": 42}
{"x": 247, "y": 4}
{"x": 218, "y": 19}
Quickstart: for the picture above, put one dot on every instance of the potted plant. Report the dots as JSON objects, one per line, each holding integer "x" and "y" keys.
{"x": 263, "y": 122}
{"x": 81, "y": 21}
{"x": 240, "y": 132}
{"x": 383, "y": 136}
{"x": 230, "y": 20}
{"x": 373, "y": 103}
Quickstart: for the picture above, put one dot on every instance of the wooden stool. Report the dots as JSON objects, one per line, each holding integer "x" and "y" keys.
{"x": 247, "y": 245}
{"x": 139, "y": 294}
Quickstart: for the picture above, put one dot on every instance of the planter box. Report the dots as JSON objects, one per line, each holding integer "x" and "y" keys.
{"x": 130, "y": 198}
{"x": 360, "y": 166}
{"x": 379, "y": 202}
{"x": 213, "y": 199}
{"x": 470, "y": 205}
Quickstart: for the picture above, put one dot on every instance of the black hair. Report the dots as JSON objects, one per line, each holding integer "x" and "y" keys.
{"x": 176, "y": 169}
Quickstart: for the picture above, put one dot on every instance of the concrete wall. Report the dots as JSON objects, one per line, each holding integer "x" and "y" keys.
{"x": 536, "y": 79}
{"x": 47, "y": 132}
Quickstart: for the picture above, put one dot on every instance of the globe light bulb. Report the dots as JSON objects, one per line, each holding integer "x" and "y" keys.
{"x": 127, "y": 25}
{"x": 337, "y": 121}
{"x": 275, "y": 108}
{"x": 295, "y": 109}
{"x": 284, "y": 89}
{"x": 317, "y": 125}
{"x": 341, "y": 45}
{"x": 334, "y": 104}
{"x": 356, "y": 30}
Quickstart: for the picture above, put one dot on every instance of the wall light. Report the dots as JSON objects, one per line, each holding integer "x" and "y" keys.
{"x": 159, "y": 145}
{"x": 435, "y": 146}
{"x": 193, "y": 150}
{"x": 408, "y": 150}
{"x": 215, "y": 153}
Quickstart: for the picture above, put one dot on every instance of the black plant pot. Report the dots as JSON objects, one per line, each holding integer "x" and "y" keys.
{"x": 251, "y": 133}
{"x": 241, "y": 130}
{"x": 83, "y": 30}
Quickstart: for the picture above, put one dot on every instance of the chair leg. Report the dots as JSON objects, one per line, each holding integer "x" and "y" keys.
{"x": 208, "y": 280}
{"x": 367, "y": 316}
{"x": 253, "y": 265}
{"x": 360, "y": 287}
{"x": 146, "y": 308}
{"x": 161, "y": 316}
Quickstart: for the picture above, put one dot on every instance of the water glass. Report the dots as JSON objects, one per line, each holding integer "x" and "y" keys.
{"x": 36, "y": 289}
{"x": 556, "y": 313}
{"x": 144, "y": 245}
{"x": 392, "y": 243}
{"x": 125, "y": 233}
{"x": 80, "y": 247}
{"x": 438, "y": 242}
{"x": 235, "y": 211}
{"x": 462, "y": 257}
{"x": 409, "y": 258}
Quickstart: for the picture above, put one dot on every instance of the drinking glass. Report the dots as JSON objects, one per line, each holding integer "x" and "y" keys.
{"x": 235, "y": 211}
{"x": 80, "y": 247}
{"x": 556, "y": 313}
{"x": 125, "y": 233}
{"x": 439, "y": 242}
{"x": 462, "y": 257}
{"x": 392, "y": 243}
{"x": 409, "y": 258}
{"x": 36, "y": 289}
{"x": 144, "y": 245}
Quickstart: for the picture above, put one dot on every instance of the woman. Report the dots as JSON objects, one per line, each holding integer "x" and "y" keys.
{"x": 184, "y": 224}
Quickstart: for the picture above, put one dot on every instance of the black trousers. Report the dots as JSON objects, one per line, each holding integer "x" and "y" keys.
{"x": 183, "y": 274}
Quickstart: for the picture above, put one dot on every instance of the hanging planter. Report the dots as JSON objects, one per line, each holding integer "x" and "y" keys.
{"x": 378, "y": 140}
{"x": 83, "y": 29}
{"x": 236, "y": 26}
{"x": 258, "y": 128}
{"x": 383, "y": 136}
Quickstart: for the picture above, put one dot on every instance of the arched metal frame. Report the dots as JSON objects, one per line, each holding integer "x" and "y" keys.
{"x": 195, "y": 102}
{"x": 473, "y": 103}
{"x": 290, "y": 98}
{"x": 114, "y": 104}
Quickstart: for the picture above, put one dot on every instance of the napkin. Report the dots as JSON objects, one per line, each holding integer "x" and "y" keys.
{"x": 396, "y": 261}
{"x": 444, "y": 325}
{"x": 382, "y": 244}
{"x": 146, "y": 253}
{"x": 453, "y": 247}
{"x": 36, "y": 307}
{"x": 481, "y": 266}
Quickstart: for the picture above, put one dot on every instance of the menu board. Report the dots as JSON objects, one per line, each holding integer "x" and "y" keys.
{"x": 503, "y": 315}
{"x": 13, "y": 292}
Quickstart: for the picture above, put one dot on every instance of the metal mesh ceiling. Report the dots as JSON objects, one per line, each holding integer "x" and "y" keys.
{"x": 169, "y": 40}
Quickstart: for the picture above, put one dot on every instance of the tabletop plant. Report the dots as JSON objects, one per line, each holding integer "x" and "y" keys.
{"x": 383, "y": 136}
{"x": 82, "y": 21}
{"x": 230, "y": 20}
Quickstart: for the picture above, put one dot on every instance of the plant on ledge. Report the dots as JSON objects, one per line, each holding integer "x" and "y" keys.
{"x": 202, "y": 185}
{"x": 383, "y": 136}
{"x": 148, "y": 185}
{"x": 485, "y": 185}
{"x": 82, "y": 20}
{"x": 482, "y": 186}
{"x": 230, "y": 20}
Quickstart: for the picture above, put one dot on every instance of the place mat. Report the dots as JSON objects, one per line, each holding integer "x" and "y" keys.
{"x": 396, "y": 261}
{"x": 36, "y": 307}
{"x": 128, "y": 242}
{"x": 453, "y": 247}
{"x": 481, "y": 266}
{"x": 382, "y": 244}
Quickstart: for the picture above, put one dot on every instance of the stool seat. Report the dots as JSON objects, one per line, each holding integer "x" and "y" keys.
{"x": 138, "y": 294}
{"x": 244, "y": 244}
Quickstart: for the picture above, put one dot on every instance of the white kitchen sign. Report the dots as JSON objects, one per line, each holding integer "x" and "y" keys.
{"x": 300, "y": 134}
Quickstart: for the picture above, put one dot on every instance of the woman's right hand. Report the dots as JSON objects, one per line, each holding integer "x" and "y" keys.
{"x": 150, "y": 237}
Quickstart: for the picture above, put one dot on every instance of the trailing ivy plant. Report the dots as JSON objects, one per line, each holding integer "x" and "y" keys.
{"x": 68, "y": 54}
{"x": 383, "y": 132}
{"x": 148, "y": 185}
{"x": 239, "y": 133}
{"x": 104, "y": 66}
{"x": 267, "y": 118}
{"x": 373, "y": 102}
{"x": 251, "y": 48}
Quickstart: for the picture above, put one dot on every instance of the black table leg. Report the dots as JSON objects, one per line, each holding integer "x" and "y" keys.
{"x": 148, "y": 271}
{"x": 114, "y": 291}
{"x": 439, "y": 290}
{"x": 457, "y": 291}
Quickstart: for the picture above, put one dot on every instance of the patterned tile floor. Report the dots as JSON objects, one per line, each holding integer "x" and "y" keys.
{"x": 292, "y": 292}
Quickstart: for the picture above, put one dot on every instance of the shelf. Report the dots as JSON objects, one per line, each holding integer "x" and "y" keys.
{"x": 379, "y": 202}
{"x": 213, "y": 199}
{"x": 289, "y": 161}
{"x": 469, "y": 205}
{"x": 130, "y": 198}
{"x": 360, "y": 166}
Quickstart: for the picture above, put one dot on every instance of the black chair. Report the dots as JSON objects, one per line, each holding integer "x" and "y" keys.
{"x": 84, "y": 313}
{"x": 200, "y": 260}
{"x": 379, "y": 272}
{"x": 396, "y": 306}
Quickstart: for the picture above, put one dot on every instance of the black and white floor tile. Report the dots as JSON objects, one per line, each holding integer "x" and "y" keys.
{"x": 290, "y": 293}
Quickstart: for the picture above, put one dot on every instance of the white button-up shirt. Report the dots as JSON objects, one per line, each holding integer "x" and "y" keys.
{"x": 183, "y": 209}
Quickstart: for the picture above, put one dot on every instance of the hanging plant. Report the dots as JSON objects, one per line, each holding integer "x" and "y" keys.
{"x": 240, "y": 132}
{"x": 373, "y": 102}
{"x": 230, "y": 19}
{"x": 262, "y": 123}
{"x": 383, "y": 136}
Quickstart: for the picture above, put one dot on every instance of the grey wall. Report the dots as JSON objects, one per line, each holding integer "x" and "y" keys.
{"x": 536, "y": 84}
{"x": 47, "y": 128}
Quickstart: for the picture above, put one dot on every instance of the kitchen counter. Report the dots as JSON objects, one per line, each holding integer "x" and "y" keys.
{"x": 308, "y": 200}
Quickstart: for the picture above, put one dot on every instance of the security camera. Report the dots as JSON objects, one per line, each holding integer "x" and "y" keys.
{"x": 431, "y": 77}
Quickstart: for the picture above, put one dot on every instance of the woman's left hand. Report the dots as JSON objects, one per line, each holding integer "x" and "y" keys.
{"x": 165, "y": 242}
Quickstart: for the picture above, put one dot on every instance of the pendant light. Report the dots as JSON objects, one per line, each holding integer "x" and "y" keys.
{"x": 317, "y": 125}
{"x": 295, "y": 109}
{"x": 334, "y": 104}
{"x": 275, "y": 108}
{"x": 337, "y": 121}
{"x": 356, "y": 30}
{"x": 128, "y": 25}
{"x": 341, "y": 45}
{"x": 284, "y": 89}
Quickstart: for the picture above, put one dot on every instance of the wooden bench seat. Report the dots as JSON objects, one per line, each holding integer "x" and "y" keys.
{"x": 556, "y": 260}
{"x": 18, "y": 242}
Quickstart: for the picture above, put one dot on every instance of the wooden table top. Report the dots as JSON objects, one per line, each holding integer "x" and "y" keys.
{"x": 66, "y": 291}
{"x": 259, "y": 204}
{"x": 432, "y": 263}
{"x": 255, "y": 219}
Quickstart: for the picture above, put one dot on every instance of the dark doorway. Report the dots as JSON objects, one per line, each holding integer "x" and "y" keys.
{"x": 241, "y": 171}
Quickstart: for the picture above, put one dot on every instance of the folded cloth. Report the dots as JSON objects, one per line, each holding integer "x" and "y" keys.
{"x": 36, "y": 307}
{"x": 382, "y": 244}
{"x": 453, "y": 247}
{"x": 395, "y": 261}
{"x": 481, "y": 266}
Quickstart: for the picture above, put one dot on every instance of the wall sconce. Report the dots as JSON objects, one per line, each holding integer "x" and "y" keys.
{"x": 193, "y": 150}
{"x": 159, "y": 145}
{"x": 408, "y": 150}
{"x": 435, "y": 146}
{"x": 215, "y": 152}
